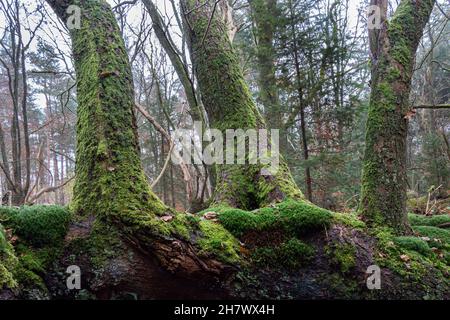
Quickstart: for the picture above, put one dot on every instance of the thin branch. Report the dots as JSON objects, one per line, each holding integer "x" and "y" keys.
{"x": 160, "y": 129}
{"x": 209, "y": 21}
{"x": 49, "y": 189}
{"x": 132, "y": 2}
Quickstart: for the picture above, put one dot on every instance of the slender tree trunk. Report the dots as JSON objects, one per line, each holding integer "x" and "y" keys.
{"x": 308, "y": 180}
{"x": 56, "y": 178}
{"x": 393, "y": 49}
{"x": 166, "y": 42}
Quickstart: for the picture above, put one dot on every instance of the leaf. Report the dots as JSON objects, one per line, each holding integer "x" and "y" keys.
{"x": 411, "y": 113}
{"x": 167, "y": 218}
{"x": 210, "y": 215}
{"x": 405, "y": 257}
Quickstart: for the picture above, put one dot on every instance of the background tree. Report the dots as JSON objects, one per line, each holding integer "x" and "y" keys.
{"x": 393, "y": 49}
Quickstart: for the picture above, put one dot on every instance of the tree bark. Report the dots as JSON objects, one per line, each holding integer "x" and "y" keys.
{"x": 393, "y": 49}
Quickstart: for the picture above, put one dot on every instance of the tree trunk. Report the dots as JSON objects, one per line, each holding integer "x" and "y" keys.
{"x": 229, "y": 105}
{"x": 110, "y": 182}
{"x": 393, "y": 49}
{"x": 308, "y": 180}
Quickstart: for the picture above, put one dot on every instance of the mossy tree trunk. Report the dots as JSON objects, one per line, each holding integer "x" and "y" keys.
{"x": 109, "y": 176}
{"x": 110, "y": 182}
{"x": 393, "y": 49}
{"x": 229, "y": 105}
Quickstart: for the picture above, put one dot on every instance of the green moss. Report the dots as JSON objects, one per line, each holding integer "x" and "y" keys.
{"x": 413, "y": 243}
{"x": 404, "y": 257}
{"x": 439, "y": 238}
{"x": 41, "y": 230}
{"x": 348, "y": 219}
{"x": 41, "y": 225}
{"x": 8, "y": 262}
{"x": 182, "y": 225}
{"x": 302, "y": 217}
{"x": 342, "y": 255}
{"x": 290, "y": 254}
{"x": 7, "y": 212}
{"x": 401, "y": 29}
{"x": 29, "y": 271}
{"x": 239, "y": 221}
{"x": 34, "y": 263}
{"x": 103, "y": 244}
{"x": 422, "y": 220}
{"x": 393, "y": 74}
{"x": 292, "y": 216}
{"x": 217, "y": 241}
{"x": 387, "y": 91}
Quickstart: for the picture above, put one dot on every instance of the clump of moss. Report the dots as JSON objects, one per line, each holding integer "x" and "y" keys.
{"x": 413, "y": 243}
{"x": 293, "y": 217}
{"x": 40, "y": 225}
{"x": 216, "y": 240}
{"x": 7, "y": 212}
{"x": 183, "y": 225}
{"x": 439, "y": 238}
{"x": 342, "y": 255}
{"x": 422, "y": 220}
{"x": 348, "y": 219}
{"x": 301, "y": 217}
{"x": 290, "y": 254}
{"x": 41, "y": 230}
{"x": 30, "y": 270}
